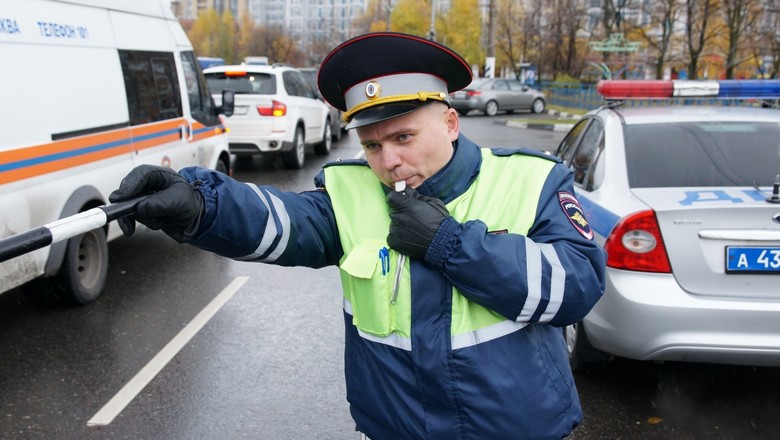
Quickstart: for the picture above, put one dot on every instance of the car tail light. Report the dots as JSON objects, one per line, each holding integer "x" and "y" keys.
{"x": 471, "y": 93}
{"x": 275, "y": 109}
{"x": 636, "y": 244}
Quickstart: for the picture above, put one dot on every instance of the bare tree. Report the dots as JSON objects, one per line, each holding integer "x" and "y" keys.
{"x": 699, "y": 30}
{"x": 658, "y": 33}
{"x": 740, "y": 16}
{"x": 511, "y": 36}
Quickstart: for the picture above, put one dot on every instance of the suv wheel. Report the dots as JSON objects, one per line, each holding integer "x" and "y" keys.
{"x": 324, "y": 147}
{"x": 294, "y": 158}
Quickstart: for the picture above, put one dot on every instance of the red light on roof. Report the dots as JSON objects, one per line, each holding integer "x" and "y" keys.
{"x": 235, "y": 73}
{"x": 624, "y": 89}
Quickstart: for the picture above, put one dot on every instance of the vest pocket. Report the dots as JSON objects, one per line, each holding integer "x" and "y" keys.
{"x": 367, "y": 284}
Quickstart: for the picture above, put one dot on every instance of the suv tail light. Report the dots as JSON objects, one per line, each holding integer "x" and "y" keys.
{"x": 471, "y": 93}
{"x": 636, "y": 244}
{"x": 275, "y": 109}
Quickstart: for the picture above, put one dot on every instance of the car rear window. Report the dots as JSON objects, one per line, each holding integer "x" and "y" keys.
{"x": 688, "y": 154}
{"x": 250, "y": 83}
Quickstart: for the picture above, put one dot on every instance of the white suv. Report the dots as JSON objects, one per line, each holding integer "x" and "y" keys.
{"x": 276, "y": 112}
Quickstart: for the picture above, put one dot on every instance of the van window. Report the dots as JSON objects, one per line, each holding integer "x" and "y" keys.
{"x": 152, "y": 86}
{"x": 202, "y": 105}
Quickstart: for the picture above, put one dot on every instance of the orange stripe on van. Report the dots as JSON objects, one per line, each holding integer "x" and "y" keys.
{"x": 28, "y": 162}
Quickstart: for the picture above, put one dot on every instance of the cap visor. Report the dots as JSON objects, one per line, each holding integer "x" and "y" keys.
{"x": 381, "y": 113}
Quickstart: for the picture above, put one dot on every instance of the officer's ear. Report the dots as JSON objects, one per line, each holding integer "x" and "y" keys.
{"x": 453, "y": 124}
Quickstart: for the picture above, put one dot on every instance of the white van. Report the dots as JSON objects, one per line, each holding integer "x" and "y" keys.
{"x": 91, "y": 88}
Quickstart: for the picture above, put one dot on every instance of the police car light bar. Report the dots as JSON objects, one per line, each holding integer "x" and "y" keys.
{"x": 665, "y": 89}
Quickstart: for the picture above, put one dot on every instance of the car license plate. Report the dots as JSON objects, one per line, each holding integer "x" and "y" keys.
{"x": 240, "y": 110}
{"x": 459, "y": 95}
{"x": 752, "y": 259}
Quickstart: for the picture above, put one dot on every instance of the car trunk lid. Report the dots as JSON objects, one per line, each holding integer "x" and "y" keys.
{"x": 705, "y": 228}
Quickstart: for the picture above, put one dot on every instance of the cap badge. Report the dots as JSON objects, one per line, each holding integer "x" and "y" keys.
{"x": 373, "y": 90}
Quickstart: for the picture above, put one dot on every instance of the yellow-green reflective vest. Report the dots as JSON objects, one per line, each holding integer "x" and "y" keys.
{"x": 504, "y": 196}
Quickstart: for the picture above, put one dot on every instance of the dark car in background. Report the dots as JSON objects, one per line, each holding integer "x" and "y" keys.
{"x": 337, "y": 123}
{"x": 492, "y": 95}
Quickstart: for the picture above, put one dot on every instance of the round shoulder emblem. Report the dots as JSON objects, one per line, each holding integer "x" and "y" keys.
{"x": 373, "y": 90}
{"x": 571, "y": 207}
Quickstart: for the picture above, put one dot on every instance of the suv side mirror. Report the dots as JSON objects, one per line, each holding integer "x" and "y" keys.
{"x": 228, "y": 102}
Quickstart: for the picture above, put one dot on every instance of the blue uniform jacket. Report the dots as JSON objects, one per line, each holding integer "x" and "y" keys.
{"x": 518, "y": 386}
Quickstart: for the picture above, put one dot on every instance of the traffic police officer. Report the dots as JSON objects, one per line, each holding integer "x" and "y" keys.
{"x": 459, "y": 264}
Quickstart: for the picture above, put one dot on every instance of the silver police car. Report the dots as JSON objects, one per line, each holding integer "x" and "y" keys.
{"x": 686, "y": 202}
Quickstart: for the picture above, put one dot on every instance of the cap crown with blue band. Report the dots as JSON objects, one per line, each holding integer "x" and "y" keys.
{"x": 378, "y": 76}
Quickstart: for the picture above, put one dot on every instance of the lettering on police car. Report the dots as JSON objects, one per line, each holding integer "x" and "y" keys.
{"x": 720, "y": 195}
{"x": 9, "y": 26}
{"x": 571, "y": 207}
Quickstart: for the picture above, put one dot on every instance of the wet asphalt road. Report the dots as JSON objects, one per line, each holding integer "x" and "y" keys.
{"x": 268, "y": 363}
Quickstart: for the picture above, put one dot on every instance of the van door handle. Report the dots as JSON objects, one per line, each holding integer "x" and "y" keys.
{"x": 185, "y": 131}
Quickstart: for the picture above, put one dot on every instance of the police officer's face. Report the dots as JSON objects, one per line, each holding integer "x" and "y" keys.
{"x": 410, "y": 147}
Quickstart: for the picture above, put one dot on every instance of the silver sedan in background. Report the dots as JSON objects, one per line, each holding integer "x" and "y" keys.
{"x": 491, "y": 95}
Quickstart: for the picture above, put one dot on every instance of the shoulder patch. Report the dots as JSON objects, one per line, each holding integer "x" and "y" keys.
{"x": 571, "y": 207}
{"x": 525, "y": 151}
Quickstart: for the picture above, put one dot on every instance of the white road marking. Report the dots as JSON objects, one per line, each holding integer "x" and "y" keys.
{"x": 118, "y": 403}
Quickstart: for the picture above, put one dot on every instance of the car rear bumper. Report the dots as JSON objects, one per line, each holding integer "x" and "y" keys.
{"x": 466, "y": 104}
{"x": 245, "y": 139}
{"x": 649, "y": 317}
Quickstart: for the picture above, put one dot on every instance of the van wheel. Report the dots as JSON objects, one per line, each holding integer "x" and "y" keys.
{"x": 324, "y": 147}
{"x": 81, "y": 277}
{"x": 582, "y": 355}
{"x": 491, "y": 108}
{"x": 294, "y": 158}
{"x": 222, "y": 167}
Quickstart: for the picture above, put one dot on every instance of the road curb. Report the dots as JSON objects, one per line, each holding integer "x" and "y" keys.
{"x": 534, "y": 126}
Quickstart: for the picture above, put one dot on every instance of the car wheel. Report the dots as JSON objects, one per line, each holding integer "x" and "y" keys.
{"x": 335, "y": 130}
{"x": 463, "y": 112}
{"x": 582, "y": 355}
{"x": 491, "y": 108}
{"x": 324, "y": 147}
{"x": 81, "y": 277}
{"x": 294, "y": 158}
{"x": 538, "y": 106}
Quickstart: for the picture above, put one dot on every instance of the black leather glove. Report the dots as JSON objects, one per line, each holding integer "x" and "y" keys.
{"x": 171, "y": 204}
{"x": 414, "y": 220}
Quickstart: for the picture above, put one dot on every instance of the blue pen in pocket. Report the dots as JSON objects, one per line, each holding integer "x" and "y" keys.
{"x": 384, "y": 257}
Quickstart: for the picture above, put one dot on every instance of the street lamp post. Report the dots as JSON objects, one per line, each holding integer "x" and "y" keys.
{"x": 432, "y": 32}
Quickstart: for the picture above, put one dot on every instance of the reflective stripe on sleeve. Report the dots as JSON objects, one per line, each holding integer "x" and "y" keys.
{"x": 278, "y": 221}
{"x": 533, "y": 259}
{"x": 557, "y": 282}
